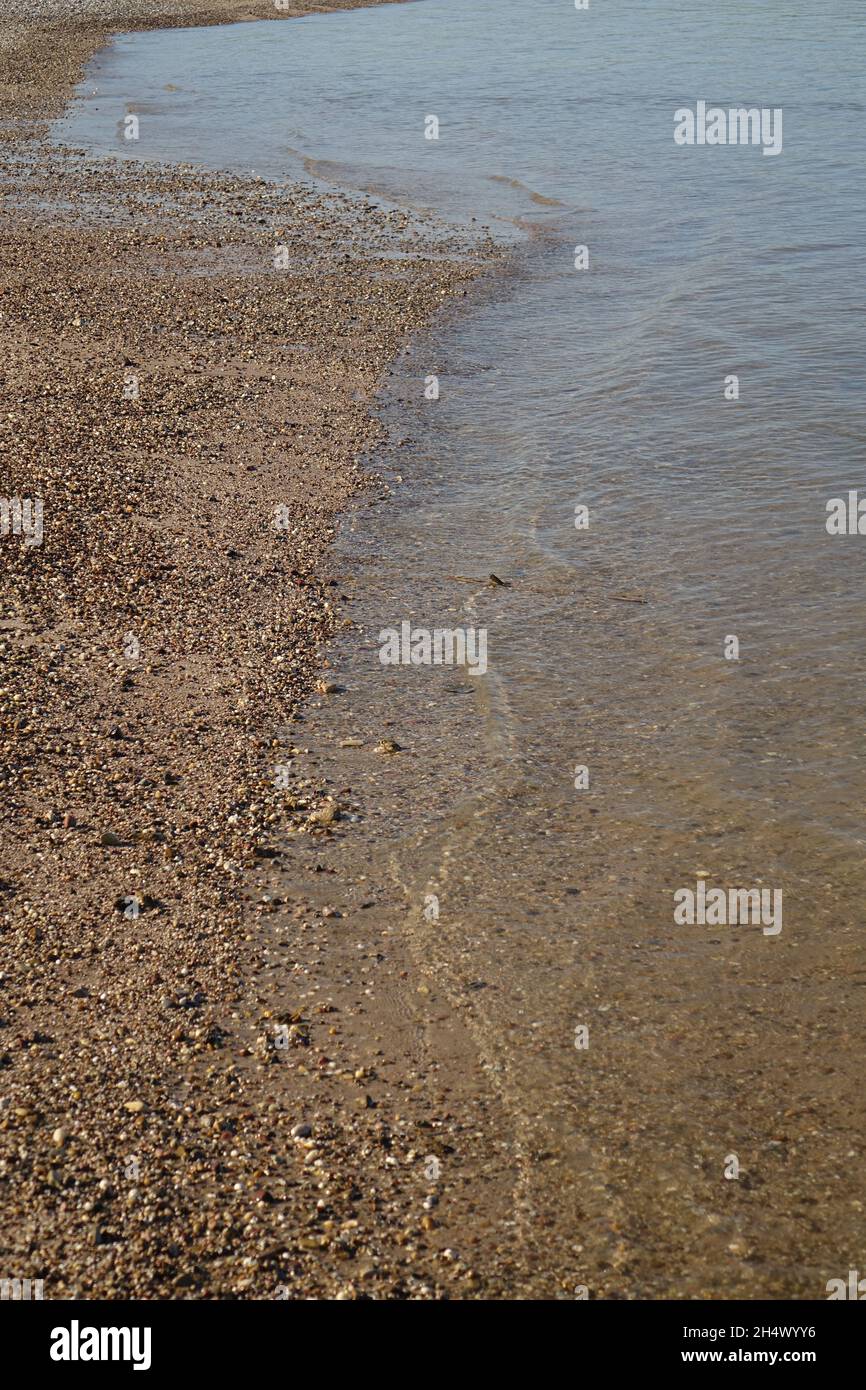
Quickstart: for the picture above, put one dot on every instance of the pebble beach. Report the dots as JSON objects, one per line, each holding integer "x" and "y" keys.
{"x": 426, "y": 668}
{"x": 174, "y": 1124}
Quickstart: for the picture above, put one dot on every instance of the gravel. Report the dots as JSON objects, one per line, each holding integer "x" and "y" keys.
{"x": 164, "y": 390}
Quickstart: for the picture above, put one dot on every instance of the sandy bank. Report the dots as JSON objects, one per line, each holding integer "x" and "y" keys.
{"x": 191, "y": 419}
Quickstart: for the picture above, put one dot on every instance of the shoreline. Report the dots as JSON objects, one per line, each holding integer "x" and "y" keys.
{"x": 283, "y": 1015}
{"x": 163, "y": 1134}
{"x": 44, "y": 51}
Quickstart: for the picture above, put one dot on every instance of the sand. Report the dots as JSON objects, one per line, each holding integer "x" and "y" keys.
{"x": 193, "y": 421}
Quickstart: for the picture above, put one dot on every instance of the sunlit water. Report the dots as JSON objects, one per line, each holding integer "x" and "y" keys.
{"x": 602, "y": 387}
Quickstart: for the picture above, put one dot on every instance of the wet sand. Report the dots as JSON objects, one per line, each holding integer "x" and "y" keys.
{"x": 179, "y": 1117}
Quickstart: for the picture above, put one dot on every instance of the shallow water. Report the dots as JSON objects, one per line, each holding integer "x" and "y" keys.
{"x": 604, "y": 387}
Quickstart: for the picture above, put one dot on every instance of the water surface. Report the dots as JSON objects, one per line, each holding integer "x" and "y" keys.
{"x": 604, "y": 387}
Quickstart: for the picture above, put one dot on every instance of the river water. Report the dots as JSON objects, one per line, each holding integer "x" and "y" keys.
{"x": 535, "y": 906}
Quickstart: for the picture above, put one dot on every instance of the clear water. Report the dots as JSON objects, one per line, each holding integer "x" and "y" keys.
{"x": 605, "y": 387}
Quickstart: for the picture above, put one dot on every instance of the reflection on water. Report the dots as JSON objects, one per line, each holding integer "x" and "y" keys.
{"x": 604, "y": 388}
